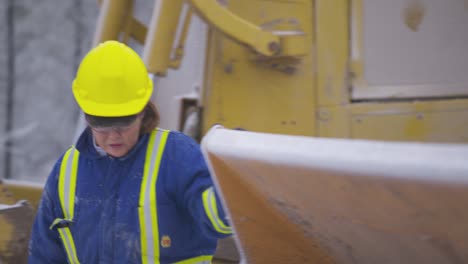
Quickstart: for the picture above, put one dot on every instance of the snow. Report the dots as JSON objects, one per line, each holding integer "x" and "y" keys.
{"x": 6, "y": 206}
{"x": 440, "y": 163}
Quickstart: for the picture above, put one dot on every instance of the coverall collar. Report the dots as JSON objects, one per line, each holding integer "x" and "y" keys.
{"x": 85, "y": 145}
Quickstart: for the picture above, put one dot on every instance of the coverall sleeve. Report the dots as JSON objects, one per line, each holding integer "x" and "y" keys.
{"x": 45, "y": 245}
{"x": 200, "y": 197}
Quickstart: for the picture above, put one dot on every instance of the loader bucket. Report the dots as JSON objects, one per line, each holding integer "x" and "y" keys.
{"x": 295, "y": 199}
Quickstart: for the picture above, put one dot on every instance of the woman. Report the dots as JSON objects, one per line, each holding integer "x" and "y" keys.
{"x": 127, "y": 192}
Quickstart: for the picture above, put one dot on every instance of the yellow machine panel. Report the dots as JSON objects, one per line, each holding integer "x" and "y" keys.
{"x": 254, "y": 92}
{"x": 310, "y": 95}
{"x": 442, "y": 121}
{"x": 433, "y": 121}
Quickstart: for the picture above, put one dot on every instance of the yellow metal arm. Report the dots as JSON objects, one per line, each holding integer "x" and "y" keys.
{"x": 178, "y": 52}
{"x": 161, "y": 34}
{"x": 111, "y": 19}
{"x": 138, "y": 30}
{"x": 160, "y": 52}
{"x": 264, "y": 42}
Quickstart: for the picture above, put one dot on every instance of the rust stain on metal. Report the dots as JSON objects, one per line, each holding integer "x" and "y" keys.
{"x": 413, "y": 14}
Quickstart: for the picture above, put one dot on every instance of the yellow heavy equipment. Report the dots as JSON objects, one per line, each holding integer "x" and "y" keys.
{"x": 320, "y": 68}
{"x": 16, "y": 217}
{"x": 316, "y": 68}
{"x": 349, "y": 69}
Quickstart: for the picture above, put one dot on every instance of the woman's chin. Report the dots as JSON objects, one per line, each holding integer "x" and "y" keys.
{"x": 117, "y": 150}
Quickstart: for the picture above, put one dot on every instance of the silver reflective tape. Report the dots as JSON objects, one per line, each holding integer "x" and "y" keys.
{"x": 211, "y": 196}
{"x": 67, "y": 184}
{"x": 147, "y": 202}
{"x": 68, "y": 245}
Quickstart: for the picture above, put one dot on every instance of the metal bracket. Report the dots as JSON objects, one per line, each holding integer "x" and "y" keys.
{"x": 268, "y": 43}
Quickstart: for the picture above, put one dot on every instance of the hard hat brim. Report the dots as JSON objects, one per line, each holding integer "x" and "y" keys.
{"x": 113, "y": 110}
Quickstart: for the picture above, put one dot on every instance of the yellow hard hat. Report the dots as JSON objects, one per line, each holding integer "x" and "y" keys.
{"x": 112, "y": 81}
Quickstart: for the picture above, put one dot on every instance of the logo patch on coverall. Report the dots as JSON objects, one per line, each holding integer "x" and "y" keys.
{"x": 166, "y": 241}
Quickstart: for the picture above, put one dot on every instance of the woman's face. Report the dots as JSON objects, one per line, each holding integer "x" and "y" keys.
{"x": 118, "y": 141}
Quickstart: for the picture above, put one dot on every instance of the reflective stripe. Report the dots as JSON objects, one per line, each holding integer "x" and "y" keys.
{"x": 211, "y": 210}
{"x": 67, "y": 240}
{"x": 147, "y": 203}
{"x": 147, "y": 209}
{"x": 66, "y": 190}
{"x": 67, "y": 182}
{"x": 197, "y": 260}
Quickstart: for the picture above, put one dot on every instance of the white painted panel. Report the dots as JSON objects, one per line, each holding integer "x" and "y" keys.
{"x": 404, "y": 58}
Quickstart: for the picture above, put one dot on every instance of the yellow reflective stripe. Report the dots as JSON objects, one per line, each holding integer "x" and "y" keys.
{"x": 214, "y": 206}
{"x": 196, "y": 260}
{"x": 69, "y": 245}
{"x": 141, "y": 209}
{"x": 67, "y": 182}
{"x": 61, "y": 187}
{"x": 66, "y": 191}
{"x": 211, "y": 210}
{"x": 74, "y": 172}
{"x": 148, "y": 207}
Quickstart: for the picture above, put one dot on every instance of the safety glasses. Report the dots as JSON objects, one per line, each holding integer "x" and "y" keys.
{"x": 106, "y": 125}
{"x": 108, "y": 130}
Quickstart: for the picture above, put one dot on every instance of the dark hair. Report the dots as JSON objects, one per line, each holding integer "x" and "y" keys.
{"x": 150, "y": 119}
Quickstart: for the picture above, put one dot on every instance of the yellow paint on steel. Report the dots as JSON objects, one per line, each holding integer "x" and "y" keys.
{"x": 238, "y": 28}
{"x": 127, "y": 23}
{"x": 15, "y": 227}
{"x": 356, "y": 46}
{"x": 111, "y": 20}
{"x": 6, "y": 229}
{"x": 333, "y": 121}
{"x": 292, "y": 43}
{"x": 138, "y": 31}
{"x": 24, "y": 191}
{"x": 179, "y": 49}
{"x": 256, "y": 93}
{"x": 7, "y": 233}
{"x": 340, "y": 67}
{"x": 299, "y": 96}
{"x": 332, "y": 48}
{"x": 307, "y": 95}
{"x": 433, "y": 121}
{"x": 161, "y": 35}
